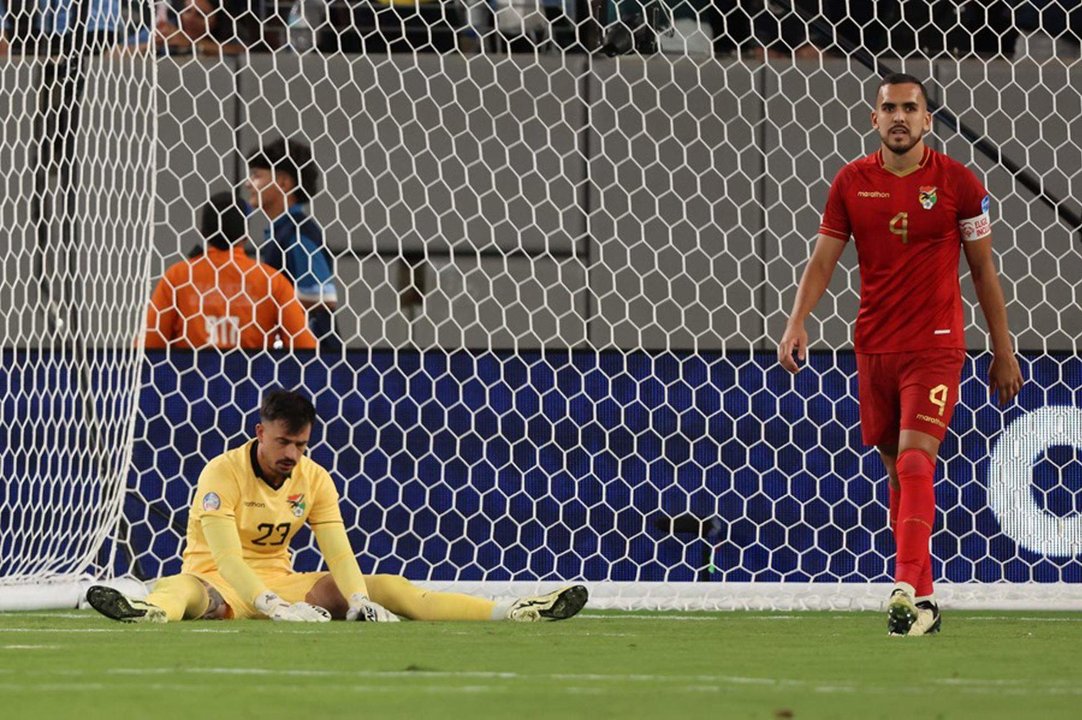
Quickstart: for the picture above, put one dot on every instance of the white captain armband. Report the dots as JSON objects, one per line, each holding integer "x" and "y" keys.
{"x": 975, "y": 228}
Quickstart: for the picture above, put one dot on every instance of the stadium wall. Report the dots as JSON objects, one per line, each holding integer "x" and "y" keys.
{"x": 570, "y": 278}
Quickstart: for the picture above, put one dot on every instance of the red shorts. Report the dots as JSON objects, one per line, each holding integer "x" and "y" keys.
{"x": 907, "y": 391}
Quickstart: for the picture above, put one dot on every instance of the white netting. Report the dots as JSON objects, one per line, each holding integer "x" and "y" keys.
{"x": 77, "y": 160}
{"x": 564, "y": 246}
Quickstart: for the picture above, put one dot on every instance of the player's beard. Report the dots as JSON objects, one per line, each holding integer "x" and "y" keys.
{"x": 909, "y": 141}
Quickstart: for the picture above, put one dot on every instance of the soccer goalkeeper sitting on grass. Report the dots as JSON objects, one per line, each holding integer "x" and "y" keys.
{"x": 249, "y": 503}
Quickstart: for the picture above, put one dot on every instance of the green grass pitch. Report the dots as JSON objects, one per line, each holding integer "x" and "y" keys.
{"x": 76, "y": 664}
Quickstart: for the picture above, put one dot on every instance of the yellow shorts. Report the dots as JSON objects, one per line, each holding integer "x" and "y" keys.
{"x": 290, "y": 586}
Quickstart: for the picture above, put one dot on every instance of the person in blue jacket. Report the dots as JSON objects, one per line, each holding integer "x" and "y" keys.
{"x": 282, "y": 177}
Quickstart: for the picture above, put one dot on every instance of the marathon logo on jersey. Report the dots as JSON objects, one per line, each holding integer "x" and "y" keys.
{"x": 927, "y": 196}
{"x": 296, "y": 503}
{"x": 211, "y": 502}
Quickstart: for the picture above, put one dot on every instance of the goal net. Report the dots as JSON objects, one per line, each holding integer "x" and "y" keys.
{"x": 565, "y": 239}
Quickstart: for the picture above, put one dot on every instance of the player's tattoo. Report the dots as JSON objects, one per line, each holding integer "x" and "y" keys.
{"x": 217, "y": 607}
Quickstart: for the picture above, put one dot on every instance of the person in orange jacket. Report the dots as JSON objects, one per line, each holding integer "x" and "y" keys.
{"x": 223, "y": 299}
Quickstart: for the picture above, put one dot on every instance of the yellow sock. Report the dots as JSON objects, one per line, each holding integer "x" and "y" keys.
{"x": 183, "y": 597}
{"x": 402, "y": 597}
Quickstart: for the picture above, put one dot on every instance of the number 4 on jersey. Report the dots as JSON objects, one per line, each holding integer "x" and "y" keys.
{"x": 899, "y": 225}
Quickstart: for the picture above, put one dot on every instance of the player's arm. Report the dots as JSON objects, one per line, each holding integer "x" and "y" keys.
{"x": 224, "y": 542}
{"x": 342, "y": 563}
{"x": 326, "y": 522}
{"x": 1004, "y": 375}
{"x": 813, "y": 283}
{"x": 338, "y": 554}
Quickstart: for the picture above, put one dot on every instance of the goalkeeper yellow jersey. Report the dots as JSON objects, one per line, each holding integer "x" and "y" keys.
{"x": 232, "y": 486}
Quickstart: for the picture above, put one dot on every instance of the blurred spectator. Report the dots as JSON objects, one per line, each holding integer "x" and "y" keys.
{"x": 896, "y": 28}
{"x": 1048, "y": 28}
{"x": 781, "y": 32}
{"x": 696, "y": 27}
{"x": 376, "y": 26}
{"x": 635, "y": 26}
{"x": 530, "y": 25}
{"x": 759, "y": 28}
{"x": 186, "y": 27}
{"x": 222, "y": 298}
{"x": 59, "y": 26}
{"x": 282, "y": 176}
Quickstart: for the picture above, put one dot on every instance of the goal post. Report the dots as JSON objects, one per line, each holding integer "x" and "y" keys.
{"x": 561, "y": 273}
{"x": 78, "y": 162}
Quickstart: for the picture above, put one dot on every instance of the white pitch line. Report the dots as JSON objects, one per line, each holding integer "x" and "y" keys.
{"x": 469, "y": 674}
{"x": 201, "y": 687}
{"x": 71, "y": 616}
{"x": 628, "y": 616}
{"x": 54, "y": 687}
{"x": 229, "y": 631}
{"x": 29, "y": 647}
{"x": 63, "y": 630}
{"x": 577, "y": 683}
{"x": 211, "y": 630}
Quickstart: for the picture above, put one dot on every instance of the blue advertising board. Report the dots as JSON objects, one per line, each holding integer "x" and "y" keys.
{"x": 596, "y": 465}
{"x": 641, "y": 466}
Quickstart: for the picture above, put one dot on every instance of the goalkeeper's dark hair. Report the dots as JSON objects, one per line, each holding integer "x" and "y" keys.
{"x": 292, "y": 408}
{"x": 903, "y": 79}
{"x": 292, "y": 157}
{"x": 221, "y": 221}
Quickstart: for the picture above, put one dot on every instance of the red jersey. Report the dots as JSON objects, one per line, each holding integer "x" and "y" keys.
{"x": 908, "y": 231}
{"x": 225, "y": 299}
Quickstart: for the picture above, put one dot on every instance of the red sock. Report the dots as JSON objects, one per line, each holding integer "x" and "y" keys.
{"x": 925, "y": 588}
{"x": 916, "y": 513}
{"x": 892, "y": 510}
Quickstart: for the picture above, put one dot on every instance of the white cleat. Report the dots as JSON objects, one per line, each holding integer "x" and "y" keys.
{"x": 928, "y": 619}
{"x": 558, "y": 605}
{"x": 114, "y": 605}
{"x": 901, "y": 613}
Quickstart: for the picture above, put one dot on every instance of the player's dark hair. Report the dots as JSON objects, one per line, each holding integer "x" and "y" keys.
{"x": 291, "y": 407}
{"x": 292, "y": 157}
{"x": 221, "y": 221}
{"x": 902, "y": 79}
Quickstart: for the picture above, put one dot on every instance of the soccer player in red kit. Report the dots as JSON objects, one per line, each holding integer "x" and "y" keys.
{"x": 910, "y": 210}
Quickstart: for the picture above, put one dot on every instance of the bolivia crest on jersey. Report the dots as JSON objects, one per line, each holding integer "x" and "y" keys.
{"x": 296, "y": 503}
{"x": 927, "y": 196}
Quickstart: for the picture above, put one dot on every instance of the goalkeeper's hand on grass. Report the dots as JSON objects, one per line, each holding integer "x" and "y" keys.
{"x": 361, "y": 608}
{"x": 278, "y": 609}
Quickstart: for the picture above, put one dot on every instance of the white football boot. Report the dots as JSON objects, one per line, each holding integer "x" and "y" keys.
{"x": 928, "y": 619}
{"x": 901, "y": 612}
{"x": 115, "y": 605}
{"x": 559, "y": 605}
